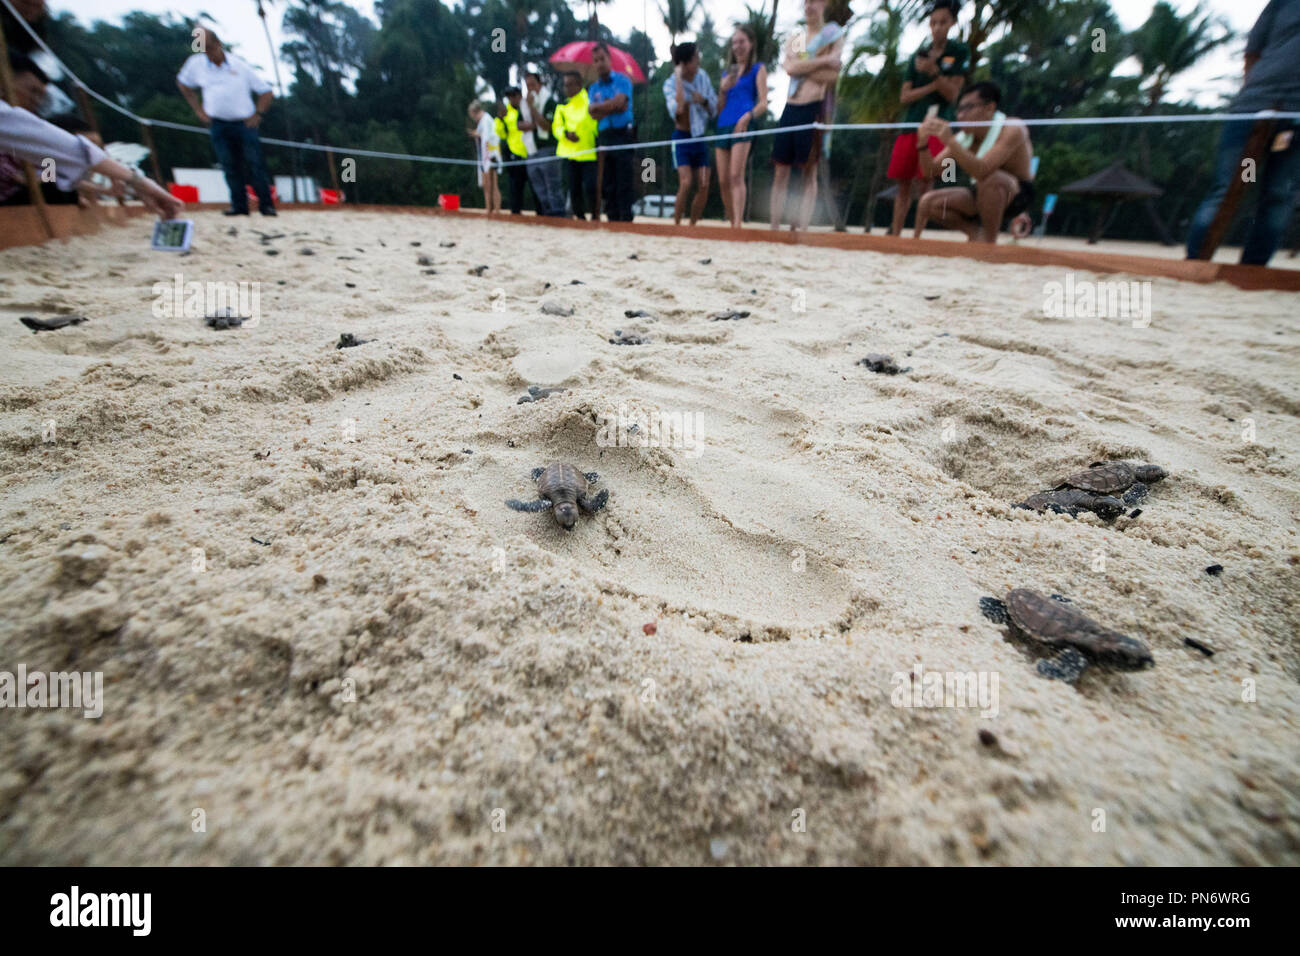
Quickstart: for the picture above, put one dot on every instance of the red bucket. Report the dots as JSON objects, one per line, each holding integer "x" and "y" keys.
{"x": 449, "y": 201}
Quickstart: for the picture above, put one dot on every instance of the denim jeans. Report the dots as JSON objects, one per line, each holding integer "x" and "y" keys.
{"x": 1275, "y": 188}
{"x": 235, "y": 145}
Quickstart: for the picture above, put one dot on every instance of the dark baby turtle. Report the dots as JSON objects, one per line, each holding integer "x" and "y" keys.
{"x": 1114, "y": 477}
{"x": 224, "y": 319}
{"x": 622, "y": 338}
{"x": 883, "y": 364}
{"x": 563, "y": 489}
{"x": 51, "y": 325}
{"x": 1033, "y": 617}
{"x": 537, "y": 394}
{"x": 1071, "y": 501}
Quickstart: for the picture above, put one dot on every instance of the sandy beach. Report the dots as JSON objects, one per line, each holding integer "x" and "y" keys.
{"x": 325, "y": 638}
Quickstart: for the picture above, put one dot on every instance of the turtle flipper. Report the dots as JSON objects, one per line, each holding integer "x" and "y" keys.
{"x": 1136, "y": 494}
{"x": 592, "y": 504}
{"x": 1068, "y": 666}
{"x": 994, "y": 610}
{"x": 541, "y": 504}
{"x": 591, "y": 477}
{"x": 536, "y": 473}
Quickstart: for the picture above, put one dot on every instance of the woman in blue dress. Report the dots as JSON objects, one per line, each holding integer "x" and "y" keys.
{"x": 742, "y": 99}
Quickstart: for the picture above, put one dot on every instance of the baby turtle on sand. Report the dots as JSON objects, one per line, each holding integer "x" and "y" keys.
{"x": 537, "y": 394}
{"x": 349, "y": 341}
{"x": 1032, "y": 617}
{"x": 1113, "y": 477}
{"x": 883, "y": 364}
{"x": 51, "y": 325}
{"x": 628, "y": 339}
{"x": 224, "y": 319}
{"x": 1070, "y": 501}
{"x": 564, "y": 490}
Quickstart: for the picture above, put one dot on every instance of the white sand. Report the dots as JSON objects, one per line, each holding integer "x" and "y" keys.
{"x": 822, "y": 538}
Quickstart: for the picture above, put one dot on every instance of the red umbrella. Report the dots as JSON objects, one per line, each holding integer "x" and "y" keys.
{"x": 577, "y": 56}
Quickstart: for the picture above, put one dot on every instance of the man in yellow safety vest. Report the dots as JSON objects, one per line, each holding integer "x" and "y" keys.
{"x": 575, "y": 138}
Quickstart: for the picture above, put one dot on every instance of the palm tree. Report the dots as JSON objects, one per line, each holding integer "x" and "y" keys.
{"x": 522, "y": 11}
{"x": 678, "y": 15}
{"x": 1166, "y": 45}
{"x": 989, "y": 15}
{"x": 593, "y": 23}
{"x": 1169, "y": 44}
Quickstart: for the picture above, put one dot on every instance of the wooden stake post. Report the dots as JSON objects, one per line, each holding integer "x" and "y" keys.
{"x": 1261, "y": 135}
{"x": 153, "y": 154}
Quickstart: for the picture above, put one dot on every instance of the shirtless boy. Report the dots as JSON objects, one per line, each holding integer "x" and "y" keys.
{"x": 1001, "y": 169}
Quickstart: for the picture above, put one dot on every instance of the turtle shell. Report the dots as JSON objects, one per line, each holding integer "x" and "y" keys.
{"x": 561, "y": 482}
{"x": 1053, "y": 623}
{"x": 1106, "y": 478}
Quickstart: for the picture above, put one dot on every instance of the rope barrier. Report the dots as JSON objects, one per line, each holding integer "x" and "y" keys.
{"x": 768, "y": 131}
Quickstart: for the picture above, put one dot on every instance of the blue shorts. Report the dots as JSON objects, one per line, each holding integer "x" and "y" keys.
{"x": 744, "y": 137}
{"x": 694, "y": 155}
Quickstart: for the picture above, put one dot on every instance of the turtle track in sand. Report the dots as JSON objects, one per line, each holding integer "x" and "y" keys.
{"x": 750, "y": 581}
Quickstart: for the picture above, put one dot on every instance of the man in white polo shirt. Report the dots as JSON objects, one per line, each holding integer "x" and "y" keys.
{"x": 228, "y": 85}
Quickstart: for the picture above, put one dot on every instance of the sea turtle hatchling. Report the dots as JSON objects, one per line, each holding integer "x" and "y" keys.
{"x": 1032, "y": 617}
{"x": 883, "y": 364}
{"x": 51, "y": 325}
{"x": 1114, "y": 477}
{"x": 563, "y": 489}
{"x": 1071, "y": 501}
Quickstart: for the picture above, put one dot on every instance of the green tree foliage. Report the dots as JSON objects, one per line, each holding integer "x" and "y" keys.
{"x": 678, "y": 15}
{"x": 1055, "y": 58}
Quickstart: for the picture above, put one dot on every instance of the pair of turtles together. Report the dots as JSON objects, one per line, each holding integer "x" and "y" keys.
{"x": 565, "y": 491}
{"x": 1106, "y": 488}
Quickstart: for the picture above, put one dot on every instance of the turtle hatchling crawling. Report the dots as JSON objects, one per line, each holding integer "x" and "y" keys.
{"x": 1071, "y": 501}
{"x": 563, "y": 489}
{"x": 1051, "y": 621}
{"x": 1114, "y": 477}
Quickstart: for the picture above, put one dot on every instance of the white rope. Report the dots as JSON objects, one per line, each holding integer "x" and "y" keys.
{"x": 770, "y": 131}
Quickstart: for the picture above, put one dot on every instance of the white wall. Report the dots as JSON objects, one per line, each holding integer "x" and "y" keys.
{"x": 212, "y": 185}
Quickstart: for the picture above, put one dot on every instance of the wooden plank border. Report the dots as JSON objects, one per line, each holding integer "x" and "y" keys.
{"x": 19, "y": 226}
